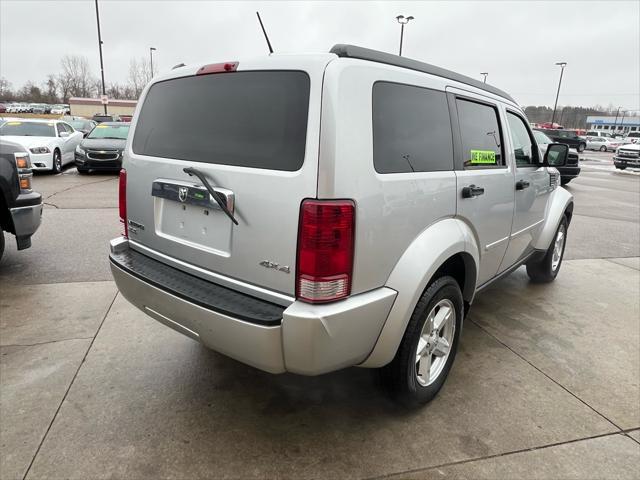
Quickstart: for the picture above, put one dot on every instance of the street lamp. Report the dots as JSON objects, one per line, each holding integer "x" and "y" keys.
{"x": 615, "y": 122}
{"x": 402, "y": 20}
{"x": 151, "y": 50}
{"x": 104, "y": 92}
{"x": 562, "y": 65}
{"x": 485, "y": 76}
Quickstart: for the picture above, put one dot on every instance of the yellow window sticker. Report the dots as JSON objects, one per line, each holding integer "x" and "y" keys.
{"x": 14, "y": 123}
{"x": 101, "y": 126}
{"x": 483, "y": 157}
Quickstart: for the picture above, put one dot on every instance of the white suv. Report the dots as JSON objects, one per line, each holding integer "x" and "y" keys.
{"x": 307, "y": 213}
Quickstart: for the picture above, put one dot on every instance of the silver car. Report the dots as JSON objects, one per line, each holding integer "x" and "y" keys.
{"x": 307, "y": 213}
{"x": 603, "y": 144}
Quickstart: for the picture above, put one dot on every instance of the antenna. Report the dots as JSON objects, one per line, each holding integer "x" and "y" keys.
{"x": 266, "y": 37}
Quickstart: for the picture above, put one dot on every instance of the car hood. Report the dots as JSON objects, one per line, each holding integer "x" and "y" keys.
{"x": 631, "y": 146}
{"x": 103, "y": 144}
{"x": 30, "y": 142}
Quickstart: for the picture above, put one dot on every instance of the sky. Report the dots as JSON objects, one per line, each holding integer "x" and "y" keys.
{"x": 517, "y": 42}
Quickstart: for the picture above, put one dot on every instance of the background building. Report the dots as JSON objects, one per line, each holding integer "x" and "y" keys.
{"x": 612, "y": 124}
{"x": 88, "y": 107}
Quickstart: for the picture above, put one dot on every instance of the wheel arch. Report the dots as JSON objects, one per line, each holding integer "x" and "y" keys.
{"x": 560, "y": 204}
{"x": 447, "y": 247}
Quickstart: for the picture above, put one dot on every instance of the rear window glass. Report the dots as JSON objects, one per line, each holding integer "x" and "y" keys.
{"x": 250, "y": 119}
{"x": 481, "y": 136}
{"x": 411, "y": 129}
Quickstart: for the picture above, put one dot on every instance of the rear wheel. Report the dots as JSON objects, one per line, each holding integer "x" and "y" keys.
{"x": 603, "y": 148}
{"x": 429, "y": 344}
{"x": 57, "y": 162}
{"x": 1, "y": 243}
{"x": 581, "y": 147}
{"x": 546, "y": 270}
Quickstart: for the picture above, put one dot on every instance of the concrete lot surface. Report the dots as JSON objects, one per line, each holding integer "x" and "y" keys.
{"x": 545, "y": 384}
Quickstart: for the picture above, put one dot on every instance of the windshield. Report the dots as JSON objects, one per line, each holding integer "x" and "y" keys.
{"x": 110, "y": 131}
{"x": 79, "y": 124}
{"x": 634, "y": 135}
{"x": 28, "y": 129}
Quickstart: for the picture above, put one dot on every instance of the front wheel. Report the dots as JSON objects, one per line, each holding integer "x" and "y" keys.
{"x": 546, "y": 270}
{"x": 1, "y": 243}
{"x": 564, "y": 181}
{"x": 57, "y": 162}
{"x": 581, "y": 147}
{"x": 429, "y": 345}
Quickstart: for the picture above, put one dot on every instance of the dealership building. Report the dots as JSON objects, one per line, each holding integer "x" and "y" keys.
{"x": 614, "y": 124}
{"x": 88, "y": 107}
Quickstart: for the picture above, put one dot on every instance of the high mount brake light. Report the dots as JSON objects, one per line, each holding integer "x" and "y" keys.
{"x": 122, "y": 200}
{"x": 218, "y": 68}
{"x": 325, "y": 250}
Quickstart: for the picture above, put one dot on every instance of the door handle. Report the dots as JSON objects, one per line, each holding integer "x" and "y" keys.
{"x": 472, "y": 191}
{"x": 522, "y": 184}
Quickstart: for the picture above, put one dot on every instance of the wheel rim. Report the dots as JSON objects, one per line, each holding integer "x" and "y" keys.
{"x": 558, "y": 248}
{"x": 434, "y": 344}
{"x": 58, "y": 162}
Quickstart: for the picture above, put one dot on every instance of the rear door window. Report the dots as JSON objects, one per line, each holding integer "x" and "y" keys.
{"x": 481, "y": 134}
{"x": 411, "y": 129}
{"x": 249, "y": 119}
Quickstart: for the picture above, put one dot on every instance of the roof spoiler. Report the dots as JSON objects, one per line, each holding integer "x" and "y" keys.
{"x": 352, "y": 51}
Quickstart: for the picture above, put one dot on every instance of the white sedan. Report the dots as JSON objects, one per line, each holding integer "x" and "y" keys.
{"x": 603, "y": 144}
{"x": 50, "y": 143}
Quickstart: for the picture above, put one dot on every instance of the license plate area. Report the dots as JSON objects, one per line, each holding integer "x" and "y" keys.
{"x": 185, "y": 214}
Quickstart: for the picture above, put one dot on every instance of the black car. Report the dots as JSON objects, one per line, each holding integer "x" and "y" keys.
{"x": 20, "y": 206}
{"x": 82, "y": 125}
{"x": 570, "y": 170}
{"x": 99, "y": 118}
{"x": 102, "y": 148}
{"x": 567, "y": 137}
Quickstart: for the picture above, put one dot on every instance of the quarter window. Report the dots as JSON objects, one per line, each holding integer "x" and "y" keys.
{"x": 481, "y": 136}
{"x": 411, "y": 129}
{"x": 60, "y": 128}
{"x": 524, "y": 148}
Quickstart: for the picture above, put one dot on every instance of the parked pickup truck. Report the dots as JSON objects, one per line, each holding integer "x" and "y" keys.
{"x": 344, "y": 210}
{"x": 20, "y": 206}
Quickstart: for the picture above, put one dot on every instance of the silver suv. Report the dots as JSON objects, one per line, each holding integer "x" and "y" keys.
{"x": 306, "y": 213}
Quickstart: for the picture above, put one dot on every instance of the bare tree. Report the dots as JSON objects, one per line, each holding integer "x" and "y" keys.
{"x": 76, "y": 79}
{"x": 139, "y": 75}
{"x": 5, "y": 88}
{"x": 50, "y": 89}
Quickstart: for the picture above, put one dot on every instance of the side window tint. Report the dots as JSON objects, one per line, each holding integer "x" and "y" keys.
{"x": 60, "y": 128}
{"x": 481, "y": 137}
{"x": 524, "y": 149}
{"x": 411, "y": 129}
{"x": 68, "y": 128}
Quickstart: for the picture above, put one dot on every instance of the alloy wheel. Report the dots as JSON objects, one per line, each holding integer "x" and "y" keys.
{"x": 558, "y": 247}
{"x": 436, "y": 339}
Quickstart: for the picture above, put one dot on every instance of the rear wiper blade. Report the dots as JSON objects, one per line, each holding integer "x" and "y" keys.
{"x": 216, "y": 196}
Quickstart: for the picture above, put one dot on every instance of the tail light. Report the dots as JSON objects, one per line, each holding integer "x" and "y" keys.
{"x": 122, "y": 200}
{"x": 325, "y": 250}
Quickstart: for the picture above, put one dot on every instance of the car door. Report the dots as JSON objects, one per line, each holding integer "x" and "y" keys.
{"x": 63, "y": 139}
{"x": 532, "y": 188}
{"x": 484, "y": 179}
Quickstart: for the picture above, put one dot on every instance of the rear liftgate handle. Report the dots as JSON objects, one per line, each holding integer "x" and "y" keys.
{"x": 472, "y": 191}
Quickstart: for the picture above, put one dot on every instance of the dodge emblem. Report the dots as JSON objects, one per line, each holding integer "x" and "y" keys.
{"x": 182, "y": 193}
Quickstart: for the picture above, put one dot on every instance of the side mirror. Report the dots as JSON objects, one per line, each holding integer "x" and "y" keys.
{"x": 556, "y": 155}
{"x": 64, "y": 134}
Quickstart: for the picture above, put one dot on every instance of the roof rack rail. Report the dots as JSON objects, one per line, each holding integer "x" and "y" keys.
{"x": 352, "y": 51}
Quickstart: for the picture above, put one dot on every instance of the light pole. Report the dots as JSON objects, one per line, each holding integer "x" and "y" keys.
{"x": 622, "y": 123}
{"x": 562, "y": 65}
{"x": 615, "y": 122}
{"x": 485, "y": 76}
{"x": 104, "y": 92}
{"x": 402, "y": 20}
{"x": 151, "y": 50}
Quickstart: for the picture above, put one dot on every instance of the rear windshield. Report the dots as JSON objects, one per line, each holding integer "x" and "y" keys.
{"x": 28, "y": 129}
{"x": 250, "y": 119}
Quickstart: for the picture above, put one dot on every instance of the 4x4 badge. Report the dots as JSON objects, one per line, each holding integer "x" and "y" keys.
{"x": 275, "y": 266}
{"x": 183, "y": 192}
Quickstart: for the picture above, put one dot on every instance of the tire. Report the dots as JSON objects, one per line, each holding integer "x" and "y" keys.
{"x": 581, "y": 147}
{"x": 82, "y": 171}
{"x": 621, "y": 168}
{"x": 402, "y": 376}
{"x": 57, "y": 162}
{"x": 1, "y": 243}
{"x": 546, "y": 270}
{"x": 564, "y": 181}
{"x": 603, "y": 148}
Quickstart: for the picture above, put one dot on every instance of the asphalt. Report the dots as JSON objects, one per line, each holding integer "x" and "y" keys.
{"x": 545, "y": 385}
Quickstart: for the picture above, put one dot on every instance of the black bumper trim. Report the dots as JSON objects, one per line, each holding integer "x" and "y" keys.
{"x": 198, "y": 291}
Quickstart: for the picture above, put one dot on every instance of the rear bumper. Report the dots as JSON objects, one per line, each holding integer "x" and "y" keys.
{"x": 301, "y": 338}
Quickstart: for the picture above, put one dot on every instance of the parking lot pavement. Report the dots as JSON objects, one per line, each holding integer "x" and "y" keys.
{"x": 545, "y": 384}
